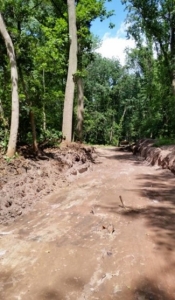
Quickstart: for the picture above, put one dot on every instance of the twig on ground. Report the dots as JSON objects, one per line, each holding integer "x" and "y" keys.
{"x": 120, "y": 197}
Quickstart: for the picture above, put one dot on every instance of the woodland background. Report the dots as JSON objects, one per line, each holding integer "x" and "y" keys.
{"x": 110, "y": 102}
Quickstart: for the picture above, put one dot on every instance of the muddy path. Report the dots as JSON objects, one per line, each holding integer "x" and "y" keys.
{"x": 84, "y": 243}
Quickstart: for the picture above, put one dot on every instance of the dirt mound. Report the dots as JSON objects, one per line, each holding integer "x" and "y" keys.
{"x": 163, "y": 156}
{"x": 27, "y": 179}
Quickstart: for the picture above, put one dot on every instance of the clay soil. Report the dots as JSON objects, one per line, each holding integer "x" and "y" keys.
{"x": 107, "y": 233}
{"x": 28, "y": 178}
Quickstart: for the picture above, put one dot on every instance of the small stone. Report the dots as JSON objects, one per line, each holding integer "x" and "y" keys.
{"x": 111, "y": 228}
{"x": 40, "y": 172}
{"x": 74, "y": 172}
{"x": 82, "y": 170}
{"x": 8, "y": 203}
{"x": 2, "y": 252}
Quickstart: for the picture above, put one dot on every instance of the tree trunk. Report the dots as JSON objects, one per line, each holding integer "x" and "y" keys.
{"x": 31, "y": 113}
{"x": 15, "y": 99}
{"x": 43, "y": 108}
{"x": 173, "y": 53}
{"x": 80, "y": 110}
{"x": 121, "y": 125}
{"x": 112, "y": 129}
{"x": 44, "y": 117}
{"x": 32, "y": 121}
{"x": 72, "y": 68}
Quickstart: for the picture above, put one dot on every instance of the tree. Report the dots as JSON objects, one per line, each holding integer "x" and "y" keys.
{"x": 152, "y": 23}
{"x": 80, "y": 109}
{"x": 72, "y": 68}
{"x": 156, "y": 20}
{"x": 40, "y": 37}
{"x": 87, "y": 11}
{"x": 40, "y": 33}
{"x": 105, "y": 101}
{"x": 15, "y": 100}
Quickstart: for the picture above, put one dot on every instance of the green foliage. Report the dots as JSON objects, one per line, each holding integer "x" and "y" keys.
{"x": 53, "y": 136}
{"x": 164, "y": 142}
{"x": 50, "y": 137}
{"x": 129, "y": 102}
{"x": 39, "y": 31}
{"x": 4, "y": 137}
{"x": 152, "y": 23}
{"x": 105, "y": 101}
{"x": 10, "y": 159}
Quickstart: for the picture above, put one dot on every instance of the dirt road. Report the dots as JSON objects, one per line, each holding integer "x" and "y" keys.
{"x": 83, "y": 243}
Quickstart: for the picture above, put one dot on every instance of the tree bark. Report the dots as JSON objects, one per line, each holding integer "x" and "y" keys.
{"x": 43, "y": 108}
{"x": 173, "y": 52}
{"x": 72, "y": 68}
{"x": 121, "y": 124}
{"x": 112, "y": 129}
{"x": 15, "y": 99}
{"x": 32, "y": 121}
{"x": 31, "y": 113}
{"x": 80, "y": 110}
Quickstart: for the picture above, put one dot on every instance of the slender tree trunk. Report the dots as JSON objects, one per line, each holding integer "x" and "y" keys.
{"x": 44, "y": 117}
{"x": 112, "y": 129}
{"x": 43, "y": 108}
{"x": 15, "y": 99}
{"x": 31, "y": 113}
{"x": 80, "y": 110}
{"x": 72, "y": 68}
{"x": 32, "y": 121}
{"x": 173, "y": 52}
{"x": 121, "y": 125}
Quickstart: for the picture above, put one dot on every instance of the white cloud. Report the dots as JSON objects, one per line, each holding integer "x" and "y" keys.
{"x": 114, "y": 47}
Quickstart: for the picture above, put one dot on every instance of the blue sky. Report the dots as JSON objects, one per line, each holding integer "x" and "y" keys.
{"x": 114, "y": 40}
{"x": 100, "y": 28}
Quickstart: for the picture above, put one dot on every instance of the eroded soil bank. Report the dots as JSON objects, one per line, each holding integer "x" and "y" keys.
{"x": 26, "y": 179}
{"x": 163, "y": 156}
{"x": 110, "y": 234}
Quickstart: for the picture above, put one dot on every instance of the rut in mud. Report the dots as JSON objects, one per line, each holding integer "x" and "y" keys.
{"x": 110, "y": 234}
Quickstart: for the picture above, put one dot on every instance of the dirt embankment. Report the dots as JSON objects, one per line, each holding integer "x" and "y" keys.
{"x": 163, "y": 156}
{"x": 27, "y": 179}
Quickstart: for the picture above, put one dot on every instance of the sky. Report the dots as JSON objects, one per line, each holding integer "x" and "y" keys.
{"x": 114, "y": 40}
